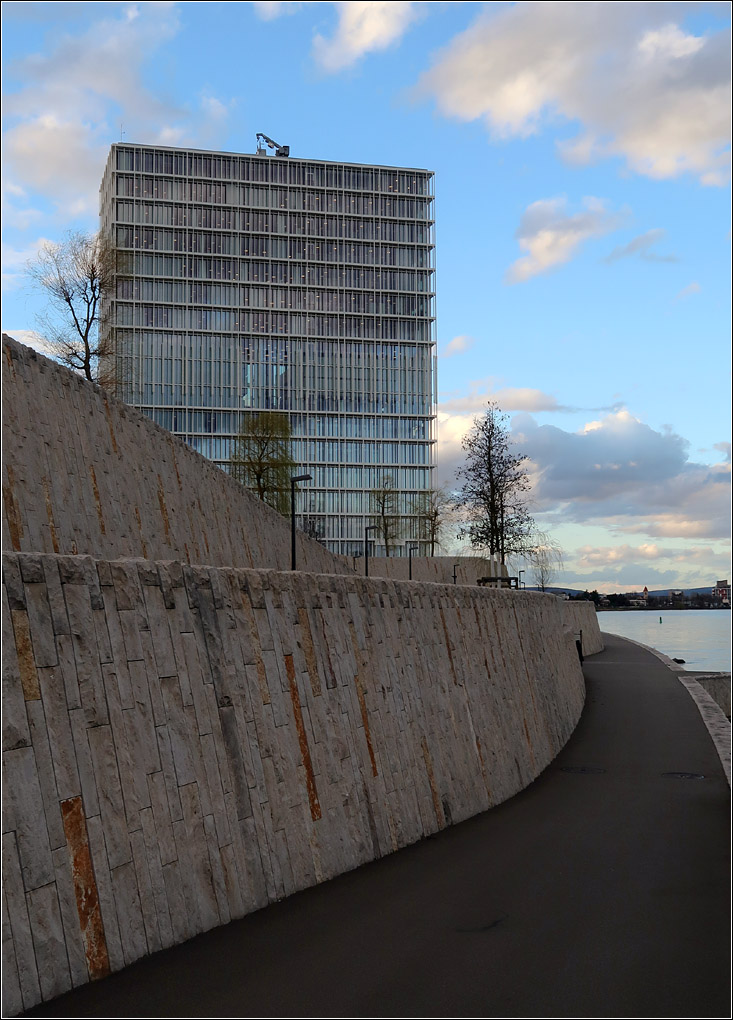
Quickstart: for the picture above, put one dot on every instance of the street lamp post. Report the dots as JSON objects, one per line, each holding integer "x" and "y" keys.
{"x": 409, "y": 557}
{"x": 367, "y": 529}
{"x": 454, "y": 572}
{"x": 293, "y": 480}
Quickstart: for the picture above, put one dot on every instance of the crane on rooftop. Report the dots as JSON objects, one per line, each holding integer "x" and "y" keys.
{"x": 280, "y": 150}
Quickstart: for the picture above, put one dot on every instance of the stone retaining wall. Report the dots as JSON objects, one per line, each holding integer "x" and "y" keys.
{"x": 582, "y": 616}
{"x": 84, "y": 473}
{"x": 436, "y": 569}
{"x": 183, "y": 745}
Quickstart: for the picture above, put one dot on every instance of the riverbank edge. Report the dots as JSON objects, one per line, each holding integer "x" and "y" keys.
{"x": 718, "y": 726}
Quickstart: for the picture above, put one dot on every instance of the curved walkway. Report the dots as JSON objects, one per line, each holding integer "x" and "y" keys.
{"x": 601, "y": 890}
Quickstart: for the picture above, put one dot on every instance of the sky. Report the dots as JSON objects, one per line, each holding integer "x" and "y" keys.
{"x": 582, "y": 161}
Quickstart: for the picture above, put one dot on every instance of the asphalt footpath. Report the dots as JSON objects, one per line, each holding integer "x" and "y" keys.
{"x": 602, "y": 890}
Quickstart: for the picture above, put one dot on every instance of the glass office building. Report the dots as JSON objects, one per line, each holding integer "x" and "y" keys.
{"x": 249, "y": 282}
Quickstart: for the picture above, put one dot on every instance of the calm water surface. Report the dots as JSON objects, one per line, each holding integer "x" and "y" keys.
{"x": 699, "y": 636}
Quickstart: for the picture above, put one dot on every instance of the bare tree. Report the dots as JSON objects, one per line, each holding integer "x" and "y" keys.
{"x": 384, "y": 502}
{"x": 546, "y": 560}
{"x": 261, "y": 458}
{"x": 76, "y": 275}
{"x": 494, "y": 482}
{"x": 435, "y": 512}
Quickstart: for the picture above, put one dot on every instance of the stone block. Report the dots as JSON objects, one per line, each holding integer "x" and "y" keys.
{"x": 48, "y": 940}
{"x": 20, "y": 925}
{"x": 106, "y": 769}
{"x": 129, "y": 912}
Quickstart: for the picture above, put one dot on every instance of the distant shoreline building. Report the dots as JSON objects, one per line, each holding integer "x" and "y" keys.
{"x": 255, "y": 282}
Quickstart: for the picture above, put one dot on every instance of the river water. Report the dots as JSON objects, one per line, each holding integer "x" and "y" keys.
{"x": 699, "y": 636}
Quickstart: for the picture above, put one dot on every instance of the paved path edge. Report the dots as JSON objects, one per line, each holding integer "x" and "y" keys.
{"x": 712, "y": 714}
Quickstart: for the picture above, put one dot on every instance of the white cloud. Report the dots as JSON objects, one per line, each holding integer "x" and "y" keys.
{"x": 641, "y": 87}
{"x": 640, "y": 246}
{"x": 594, "y": 556}
{"x": 551, "y": 236}
{"x": 362, "y": 28}
{"x": 20, "y": 216}
{"x": 691, "y": 288}
{"x": 623, "y": 474}
{"x": 268, "y": 10}
{"x": 73, "y": 98}
{"x": 14, "y": 261}
{"x": 458, "y": 345}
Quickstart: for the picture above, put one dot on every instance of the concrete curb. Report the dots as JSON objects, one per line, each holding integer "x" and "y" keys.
{"x": 712, "y": 714}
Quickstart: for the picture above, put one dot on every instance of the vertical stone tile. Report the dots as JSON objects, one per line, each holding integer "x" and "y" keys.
{"x": 178, "y": 731}
{"x": 177, "y": 897}
{"x": 41, "y": 626}
{"x": 15, "y": 720}
{"x": 20, "y": 926}
{"x": 48, "y": 940}
{"x": 72, "y": 903}
{"x": 86, "y": 654}
{"x": 60, "y": 737}
{"x": 118, "y": 651}
{"x": 67, "y": 665}
{"x": 232, "y": 743}
{"x": 169, "y": 772}
{"x": 217, "y": 871}
{"x": 84, "y": 762}
{"x": 133, "y": 787}
{"x": 157, "y": 879}
{"x": 129, "y": 912}
{"x": 24, "y": 653}
{"x": 162, "y": 818}
{"x": 145, "y": 886}
{"x": 188, "y": 652}
{"x": 22, "y": 792}
{"x": 55, "y": 595}
{"x": 160, "y": 631}
{"x": 147, "y": 706}
{"x": 202, "y": 880}
{"x": 45, "y": 772}
{"x": 101, "y": 745}
{"x": 216, "y": 793}
{"x": 12, "y": 998}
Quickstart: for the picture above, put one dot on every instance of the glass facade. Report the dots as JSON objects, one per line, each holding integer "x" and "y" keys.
{"x": 250, "y": 282}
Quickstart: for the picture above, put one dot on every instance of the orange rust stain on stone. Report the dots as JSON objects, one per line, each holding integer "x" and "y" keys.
{"x": 163, "y": 510}
{"x": 96, "y": 499}
{"x": 26, "y": 661}
{"x": 85, "y": 889}
{"x": 9, "y": 359}
{"x": 12, "y": 510}
{"x": 437, "y": 806}
{"x": 365, "y": 722}
{"x": 140, "y": 529}
{"x": 109, "y": 423}
{"x": 49, "y": 514}
{"x": 310, "y": 779}
{"x": 309, "y": 651}
{"x": 447, "y": 645}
